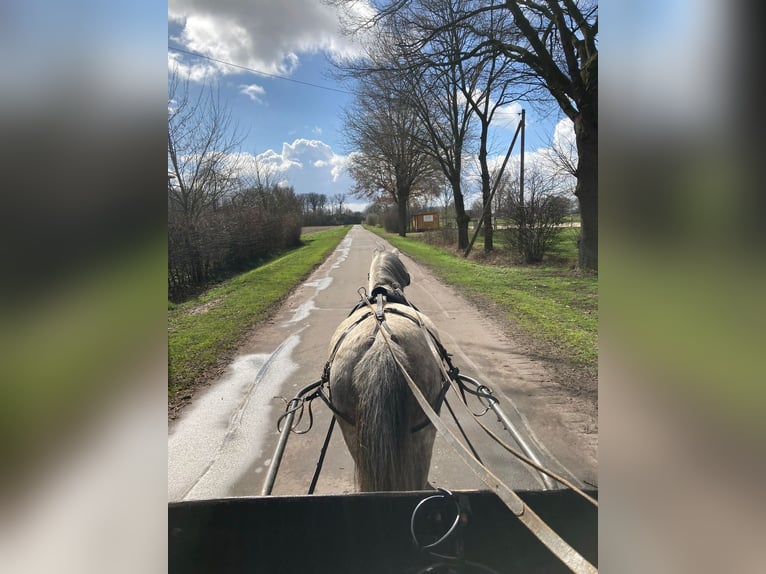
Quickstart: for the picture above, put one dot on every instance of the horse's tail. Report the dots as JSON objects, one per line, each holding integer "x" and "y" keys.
{"x": 382, "y": 418}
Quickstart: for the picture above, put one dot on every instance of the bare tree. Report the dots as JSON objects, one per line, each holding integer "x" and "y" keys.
{"x": 561, "y": 49}
{"x": 452, "y": 89}
{"x": 434, "y": 83}
{"x": 313, "y": 201}
{"x": 256, "y": 181}
{"x": 427, "y": 80}
{"x": 339, "y": 199}
{"x": 202, "y": 141}
{"x": 557, "y": 44}
{"x": 498, "y": 82}
{"x": 536, "y": 220}
{"x": 387, "y": 133}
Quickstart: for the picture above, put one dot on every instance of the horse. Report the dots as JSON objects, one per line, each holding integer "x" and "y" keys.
{"x": 386, "y": 431}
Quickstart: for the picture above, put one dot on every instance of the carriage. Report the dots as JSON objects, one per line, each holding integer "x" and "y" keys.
{"x": 385, "y": 382}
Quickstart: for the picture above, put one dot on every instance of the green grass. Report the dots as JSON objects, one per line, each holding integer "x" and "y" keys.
{"x": 549, "y": 303}
{"x": 562, "y": 251}
{"x": 574, "y": 218}
{"x": 205, "y": 331}
{"x": 563, "y": 248}
{"x": 565, "y": 245}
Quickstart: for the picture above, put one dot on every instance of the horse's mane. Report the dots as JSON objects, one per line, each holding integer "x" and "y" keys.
{"x": 387, "y": 269}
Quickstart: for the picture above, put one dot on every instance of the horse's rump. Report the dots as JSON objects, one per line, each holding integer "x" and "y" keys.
{"x": 367, "y": 384}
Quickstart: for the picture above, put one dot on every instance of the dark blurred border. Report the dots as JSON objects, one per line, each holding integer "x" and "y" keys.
{"x": 83, "y": 292}
{"x": 682, "y": 308}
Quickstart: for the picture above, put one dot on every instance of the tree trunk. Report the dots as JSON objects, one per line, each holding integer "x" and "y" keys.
{"x": 587, "y": 192}
{"x": 460, "y": 216}
{"x": 485, "y": 191}
{"x": 402, "y": 208}
{"x": 487, "y": 223}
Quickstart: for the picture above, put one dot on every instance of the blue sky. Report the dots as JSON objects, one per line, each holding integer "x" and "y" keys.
{"x": 294, "y": 127}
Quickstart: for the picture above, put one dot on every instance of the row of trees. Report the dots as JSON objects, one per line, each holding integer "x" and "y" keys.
{"x": 222, "y": 219}
{"x": 530, "y": 228}
{"x": 435, "y": 74}
{"x": 318, "y": 209}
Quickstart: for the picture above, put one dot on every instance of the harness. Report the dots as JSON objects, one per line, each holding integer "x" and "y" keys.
{"x": 375, "y": 305}
{"x": 378, "y": 299}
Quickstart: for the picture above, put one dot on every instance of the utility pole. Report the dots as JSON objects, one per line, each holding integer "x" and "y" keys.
{"x": 523, "y": 214}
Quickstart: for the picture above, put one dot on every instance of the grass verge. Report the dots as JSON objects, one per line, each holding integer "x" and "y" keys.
{"x": 549, "y": 303}
{"x": 204, "y": 332}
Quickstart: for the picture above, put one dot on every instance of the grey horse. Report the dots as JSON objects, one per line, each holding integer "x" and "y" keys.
{"x": 386, "y": 431}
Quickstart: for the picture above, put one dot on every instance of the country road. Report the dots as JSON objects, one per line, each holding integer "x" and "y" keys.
{"x": 221, "y": 444}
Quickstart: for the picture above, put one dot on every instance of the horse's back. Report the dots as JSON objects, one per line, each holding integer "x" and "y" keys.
{"x": 394, "y": 313}
{"x": 358, "y": 334}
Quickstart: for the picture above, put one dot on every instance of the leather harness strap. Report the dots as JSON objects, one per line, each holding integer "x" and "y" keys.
{"x": 377, "y": 296}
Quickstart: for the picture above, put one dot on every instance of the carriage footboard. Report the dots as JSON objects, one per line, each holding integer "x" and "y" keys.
{"x": 372, "y": 533}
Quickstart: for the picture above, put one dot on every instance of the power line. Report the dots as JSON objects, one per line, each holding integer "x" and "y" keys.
{"x": 274, "y": 76}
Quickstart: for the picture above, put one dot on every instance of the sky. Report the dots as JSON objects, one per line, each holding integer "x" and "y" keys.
{"x": 293, "y": 122}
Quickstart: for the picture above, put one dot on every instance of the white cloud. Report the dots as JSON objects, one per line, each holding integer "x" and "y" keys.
{"x": 507, "y": 116}
{"x": 307, "y": 165}
{"x": 307, "y": 151}
{"x": 314, "y": 153}
{"x": 277, "y": 161}
{"x": 261, "y": 34}
{"x": 339, "y": 164}
{"x": 539, "y": 160}
{"x": 254, "y": 92}
{"x": 564, "y": 142}
{"x": 563, "y": 134}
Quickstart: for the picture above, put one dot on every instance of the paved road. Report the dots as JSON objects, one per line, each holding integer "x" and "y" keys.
{"x": 222, "y": 443}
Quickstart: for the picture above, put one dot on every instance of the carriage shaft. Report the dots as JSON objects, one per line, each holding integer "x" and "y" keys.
{"x": 494, "y": 404}
{"x": 276, "y": 460}
{"x": 550, "y": 484}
